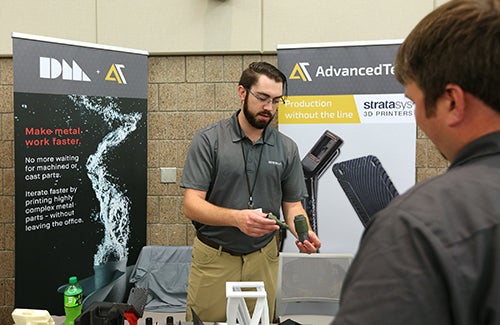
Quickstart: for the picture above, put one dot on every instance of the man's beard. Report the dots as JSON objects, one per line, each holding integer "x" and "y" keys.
{"x": 251, "y": 118}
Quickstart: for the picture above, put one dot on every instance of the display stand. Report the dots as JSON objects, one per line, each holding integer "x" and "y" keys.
{"x": 314, "y": 165}
{"x": 237, "y": 310}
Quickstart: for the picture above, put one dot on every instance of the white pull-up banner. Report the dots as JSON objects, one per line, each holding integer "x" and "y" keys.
{"x": 345, "y": 95}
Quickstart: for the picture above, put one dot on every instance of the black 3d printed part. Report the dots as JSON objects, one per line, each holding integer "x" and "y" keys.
{"x": 366, "y": 184}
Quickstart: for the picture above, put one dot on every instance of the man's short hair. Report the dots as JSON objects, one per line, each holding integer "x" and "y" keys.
{"x": 251, "y": 75}
{"x": 458, "y": 43}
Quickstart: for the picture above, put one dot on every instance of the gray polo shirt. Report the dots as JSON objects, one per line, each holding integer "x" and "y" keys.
{"x": 215, "y": 164}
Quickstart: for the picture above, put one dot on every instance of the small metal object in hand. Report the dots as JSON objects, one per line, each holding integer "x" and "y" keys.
{"x": 280, "y": 223}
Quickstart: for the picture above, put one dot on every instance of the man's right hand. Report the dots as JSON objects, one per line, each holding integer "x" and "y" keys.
{"x": 254, "y": 223}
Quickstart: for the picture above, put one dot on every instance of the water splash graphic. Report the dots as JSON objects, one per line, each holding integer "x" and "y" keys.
{"x": 114, "y": 205}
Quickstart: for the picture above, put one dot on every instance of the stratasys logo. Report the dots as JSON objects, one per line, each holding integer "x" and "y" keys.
{"x": 51, "y": 68}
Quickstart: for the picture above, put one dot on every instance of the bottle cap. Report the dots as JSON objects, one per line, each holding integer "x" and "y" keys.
{"x": 73, "y": 280}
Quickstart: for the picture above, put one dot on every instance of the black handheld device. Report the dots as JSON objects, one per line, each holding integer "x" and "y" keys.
{"x": 321, "y": 155}
{"x": 314, "y": 164}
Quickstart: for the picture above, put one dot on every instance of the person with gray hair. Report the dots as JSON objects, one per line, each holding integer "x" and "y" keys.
{"x": 432, "y": 256}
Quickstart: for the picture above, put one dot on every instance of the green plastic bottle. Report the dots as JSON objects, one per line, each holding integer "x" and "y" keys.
{"x": 72, "y": 301}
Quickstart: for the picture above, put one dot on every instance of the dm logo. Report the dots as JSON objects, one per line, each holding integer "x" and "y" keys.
{"x": 300, "y": 72}
{"x": 51, "y": 68}
{"x": 115, "y": 73}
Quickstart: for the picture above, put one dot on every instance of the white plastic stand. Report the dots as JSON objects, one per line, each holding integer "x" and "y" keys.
{"x": 237, "y": 310}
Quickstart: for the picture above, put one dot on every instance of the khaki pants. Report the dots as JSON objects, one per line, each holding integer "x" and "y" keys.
{"x": 211, "y": 269}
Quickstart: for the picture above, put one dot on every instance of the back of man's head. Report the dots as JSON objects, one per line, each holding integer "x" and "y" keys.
{"x": 458, "y": 43}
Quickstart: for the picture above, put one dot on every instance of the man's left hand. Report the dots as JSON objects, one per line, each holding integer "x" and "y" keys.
{"x": 309, "y": 246}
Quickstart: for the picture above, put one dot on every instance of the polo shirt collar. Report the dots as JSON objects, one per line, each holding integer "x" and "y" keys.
{"x": 269, "y": 135}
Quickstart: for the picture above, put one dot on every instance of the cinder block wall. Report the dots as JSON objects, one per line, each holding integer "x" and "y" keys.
{"x": 185, "y": 93}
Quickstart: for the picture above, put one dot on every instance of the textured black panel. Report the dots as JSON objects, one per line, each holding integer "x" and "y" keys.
{"x": 366, "y": 184}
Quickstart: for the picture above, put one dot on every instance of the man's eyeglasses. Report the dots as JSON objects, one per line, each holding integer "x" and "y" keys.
{"x": 267, "y": 100}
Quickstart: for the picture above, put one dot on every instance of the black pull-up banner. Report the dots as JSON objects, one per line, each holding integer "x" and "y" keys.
{"x": 80, "y": 168}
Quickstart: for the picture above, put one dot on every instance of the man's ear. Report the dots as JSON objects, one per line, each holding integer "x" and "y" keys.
{"x": 242, "y": 92}
{"x": 455, "y": 99}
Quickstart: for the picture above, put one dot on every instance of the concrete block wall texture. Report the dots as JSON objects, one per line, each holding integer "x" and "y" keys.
{"x": 185, "y": 94}
{"x": 7, "y": 249}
